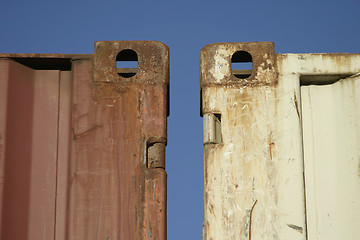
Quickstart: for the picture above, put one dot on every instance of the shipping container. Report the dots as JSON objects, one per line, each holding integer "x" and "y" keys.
{"x": 82, "y": 143}
{"x": 281, "y": 143}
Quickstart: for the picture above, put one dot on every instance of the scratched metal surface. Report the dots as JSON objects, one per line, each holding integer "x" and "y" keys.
{"x": 255, "y": 181}
{"x": 256, "y": 168}
{"x": 76, "y": 141}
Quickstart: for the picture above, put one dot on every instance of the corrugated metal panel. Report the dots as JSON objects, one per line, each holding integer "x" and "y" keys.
{"x": 76, "y": 140}
{"x": 331, "y": 118}
{"x": 330, "y": 108}
{"x": 254, "y": 171}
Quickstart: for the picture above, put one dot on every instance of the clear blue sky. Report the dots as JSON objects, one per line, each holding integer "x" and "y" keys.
{"x": 185, "y": 26}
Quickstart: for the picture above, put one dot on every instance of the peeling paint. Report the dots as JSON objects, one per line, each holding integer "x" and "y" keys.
{"x": 258, "y": 133}
{"x": 297, "y": 106}
{"x": 297, "y": 228}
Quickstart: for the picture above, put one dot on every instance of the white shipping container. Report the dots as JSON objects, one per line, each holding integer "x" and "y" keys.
{"x": 281, "y": 143}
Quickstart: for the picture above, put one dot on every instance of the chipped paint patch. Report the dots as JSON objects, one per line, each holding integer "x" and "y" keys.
{"x": 297, "y": 228}
{"x": 221, "y": 64}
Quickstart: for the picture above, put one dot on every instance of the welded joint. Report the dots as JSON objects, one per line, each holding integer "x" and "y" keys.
{"x": 212, "y": 128}
{"x": 156, "y": 155}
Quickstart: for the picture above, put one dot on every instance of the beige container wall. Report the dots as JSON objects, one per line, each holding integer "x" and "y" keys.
{"x": 258, "y": 184}
{"x": 331, "y": 129}
{"x": 330, "y": 109}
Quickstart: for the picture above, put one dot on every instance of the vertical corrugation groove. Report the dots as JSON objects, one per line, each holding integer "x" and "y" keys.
{"x": 57, "y": 155}
{"x": 16, "y": 190}
{"x": 303, "y": 162}
{"x": 4, "y": 78}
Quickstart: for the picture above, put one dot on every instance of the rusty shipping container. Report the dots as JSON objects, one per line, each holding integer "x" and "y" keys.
{"x": 281, "y": 143}
{"x": 82, "y": 144}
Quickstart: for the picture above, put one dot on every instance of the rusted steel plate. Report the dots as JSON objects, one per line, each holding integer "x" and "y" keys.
{"x": 254, "y": 176}
{"x": 97, "y": 182}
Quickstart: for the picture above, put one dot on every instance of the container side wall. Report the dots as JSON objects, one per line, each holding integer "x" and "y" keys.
{"x": 4, "y": 83}
{"x": 30, "y": 154}
{"x": 64, "y": 140}
{"x": 253, "y": 178}
{"x": 115, "y": 120}
{"x": 331, "y": 117}
{"x": 82, "y": 144}
{"x": 18, "y": 152}
{"x": 44, "y": 155}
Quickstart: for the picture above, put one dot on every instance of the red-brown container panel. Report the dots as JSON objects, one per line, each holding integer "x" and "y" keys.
{"x": 74, "y": 143}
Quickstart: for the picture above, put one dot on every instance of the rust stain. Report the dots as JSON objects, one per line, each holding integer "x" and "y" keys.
{"x": 297, "y": 228}
{"x": 296, "y": 105}
{"x": 271, "y": 145}
{"x": 263, "y": 58}
{"x": 156, "y": 155}
{"x": 83, "y": 134}
{"x": 251, "y": 212}
{"x": 150, "y": 69}
{"x": 109, "y": 90}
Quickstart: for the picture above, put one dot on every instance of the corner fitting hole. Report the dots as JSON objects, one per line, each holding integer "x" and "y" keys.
{"x": 218, "y": 116}
{"x": 127, "y": 63}
{"x": 241, "y": 64}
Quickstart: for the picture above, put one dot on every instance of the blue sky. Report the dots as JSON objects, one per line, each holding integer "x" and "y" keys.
{"x": 185, "y": 26}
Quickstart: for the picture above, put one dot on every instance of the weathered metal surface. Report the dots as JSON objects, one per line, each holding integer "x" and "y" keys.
{"x": 254, "y": 177}
{"x": 249, "y": 176}
{"x": 156, "y": 155}
{"x": 96, "y": 182}
{"x": 217, "y": 71}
